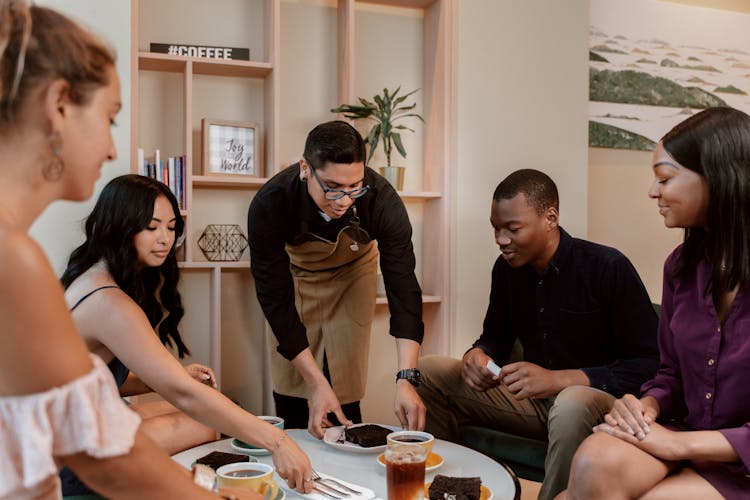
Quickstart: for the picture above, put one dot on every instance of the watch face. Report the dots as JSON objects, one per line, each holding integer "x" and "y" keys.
{"x": 413, "y": 375}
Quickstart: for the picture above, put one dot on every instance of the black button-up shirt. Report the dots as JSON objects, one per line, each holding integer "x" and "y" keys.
{"x": 282, "y": 212}
{"x": 588, "y": 311}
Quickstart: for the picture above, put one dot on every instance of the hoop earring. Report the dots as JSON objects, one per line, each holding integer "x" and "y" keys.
{"x": 55, "y": 166}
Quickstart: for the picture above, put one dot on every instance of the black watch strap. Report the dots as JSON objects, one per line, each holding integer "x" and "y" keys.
{"x": 413, "y": 375}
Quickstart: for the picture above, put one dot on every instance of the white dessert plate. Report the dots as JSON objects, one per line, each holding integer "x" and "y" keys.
{"x": 332, "y": 433}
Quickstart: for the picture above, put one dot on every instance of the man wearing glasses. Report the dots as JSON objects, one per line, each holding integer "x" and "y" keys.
{"x": 312, "y": 231}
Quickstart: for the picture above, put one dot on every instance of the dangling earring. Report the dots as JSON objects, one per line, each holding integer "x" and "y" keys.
{"x": 54, "y": 166}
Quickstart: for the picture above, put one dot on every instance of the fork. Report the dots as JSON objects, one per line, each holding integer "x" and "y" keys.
{"x": 326, "y": 494}
{"x": 338, "y": 484}
{"x": 342, "y": 437}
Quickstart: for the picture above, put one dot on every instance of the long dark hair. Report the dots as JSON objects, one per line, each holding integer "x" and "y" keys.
{"x": 124, "y": 208}
{"x": 715, "y": 143}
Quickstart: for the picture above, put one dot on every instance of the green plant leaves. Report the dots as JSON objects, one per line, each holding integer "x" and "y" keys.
{"x": 384, "y": 109}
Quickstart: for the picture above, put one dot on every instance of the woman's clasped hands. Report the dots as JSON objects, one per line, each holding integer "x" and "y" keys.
{"x": 630, "y": 418}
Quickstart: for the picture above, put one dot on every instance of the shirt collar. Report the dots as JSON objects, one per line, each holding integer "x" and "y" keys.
{"x": 562, "y": 254}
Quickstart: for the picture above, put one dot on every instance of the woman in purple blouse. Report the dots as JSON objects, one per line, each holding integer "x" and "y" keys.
{"x": 688, "y": 436}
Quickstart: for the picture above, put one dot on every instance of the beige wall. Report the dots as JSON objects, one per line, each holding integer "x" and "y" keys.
{"x": 521, "y": 102}
{"x": 620, "y": 213}
{"x": 58, "y": 230}
{"x": 522, "y": 90}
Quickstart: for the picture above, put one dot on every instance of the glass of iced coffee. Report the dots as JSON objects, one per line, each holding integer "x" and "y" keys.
{"x": 405, "y": 465}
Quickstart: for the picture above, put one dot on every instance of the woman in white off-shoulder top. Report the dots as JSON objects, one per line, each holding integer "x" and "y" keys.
{"x": 59, "y": 94}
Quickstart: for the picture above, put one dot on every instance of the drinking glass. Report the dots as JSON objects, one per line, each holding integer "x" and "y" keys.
{"x": 404, "y": 464}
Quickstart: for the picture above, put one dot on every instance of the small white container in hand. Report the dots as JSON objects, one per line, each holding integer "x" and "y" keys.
{"x": 491, "y": 366}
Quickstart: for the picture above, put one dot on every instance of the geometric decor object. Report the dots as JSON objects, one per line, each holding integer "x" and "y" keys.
{"x": 222, "y": 242}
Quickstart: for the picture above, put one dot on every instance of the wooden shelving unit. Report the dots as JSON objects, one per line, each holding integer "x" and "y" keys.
{"x": 434, "y": 196}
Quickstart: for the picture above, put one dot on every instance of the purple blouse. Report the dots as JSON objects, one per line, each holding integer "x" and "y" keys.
{"x": 703, "y": 381}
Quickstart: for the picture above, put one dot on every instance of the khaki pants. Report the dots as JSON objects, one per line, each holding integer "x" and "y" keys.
{"x": 563, "y": 421}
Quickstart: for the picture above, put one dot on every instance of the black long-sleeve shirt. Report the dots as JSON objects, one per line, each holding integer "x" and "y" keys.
{"x": 278, "y": 214}
{"x": 588, "y": 311}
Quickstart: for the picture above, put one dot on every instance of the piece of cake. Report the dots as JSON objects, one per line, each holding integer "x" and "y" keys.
{"x": 216, "y": 459}
{"x": 367, "y": 435}
{"x": 458, "y": 488}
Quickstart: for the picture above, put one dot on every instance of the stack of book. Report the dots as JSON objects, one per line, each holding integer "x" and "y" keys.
{"x": 170, "y": 171}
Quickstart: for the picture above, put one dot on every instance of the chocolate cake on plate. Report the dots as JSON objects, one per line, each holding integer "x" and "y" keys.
{"x": 216, "y": 459}
{"x": 458, "y": 488}
{"x": 368, "y": 435}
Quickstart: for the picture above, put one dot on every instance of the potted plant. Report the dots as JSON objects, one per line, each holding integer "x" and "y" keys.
{"x": 384, "y": 110}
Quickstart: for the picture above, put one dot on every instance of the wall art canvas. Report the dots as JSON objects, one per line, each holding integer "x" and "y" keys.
{"x": 654, "y": 63}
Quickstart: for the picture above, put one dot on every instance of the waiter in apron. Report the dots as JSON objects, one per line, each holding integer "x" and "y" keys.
{"x": 316, "y": 230}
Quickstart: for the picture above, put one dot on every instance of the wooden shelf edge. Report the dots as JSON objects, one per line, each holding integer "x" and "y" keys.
{"x": 426, "y": 299}
{"x": 420, "y": 195}
{"x": 218, "y": 181}
{"x": 150, "y": 61}
{"x": 200, "y": 264}
{"x": 411, "y": 4}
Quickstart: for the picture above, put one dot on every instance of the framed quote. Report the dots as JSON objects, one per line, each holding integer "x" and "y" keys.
{"x": 230, "y": 148}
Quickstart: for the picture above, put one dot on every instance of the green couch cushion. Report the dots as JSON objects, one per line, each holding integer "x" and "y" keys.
{"x": 524, "y": 455}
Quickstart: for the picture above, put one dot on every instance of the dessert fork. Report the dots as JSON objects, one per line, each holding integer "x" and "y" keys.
{"x": 334, "y": 484}
{"x": 342, "y": 437}
{"x": 326, "y": 494}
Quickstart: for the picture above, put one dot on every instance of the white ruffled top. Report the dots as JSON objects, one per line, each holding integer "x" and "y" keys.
{"x": 84, "y": 415}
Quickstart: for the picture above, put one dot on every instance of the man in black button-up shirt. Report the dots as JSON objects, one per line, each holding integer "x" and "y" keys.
{"x": 582, "y": 316}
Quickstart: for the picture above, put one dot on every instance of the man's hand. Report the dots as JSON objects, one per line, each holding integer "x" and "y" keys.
{"x": 632, "y": 415}
{"x": 475, "y": 373}
{"x": 322, "y": 402}
{"x": 526, "y": 380}
{"x": 408, "y": 406}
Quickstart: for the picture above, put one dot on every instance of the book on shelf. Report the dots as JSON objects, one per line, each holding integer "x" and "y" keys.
{"x": 170, "y": 172}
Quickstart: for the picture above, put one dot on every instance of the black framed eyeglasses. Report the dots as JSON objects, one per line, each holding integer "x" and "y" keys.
{"x": 337, "y": 194}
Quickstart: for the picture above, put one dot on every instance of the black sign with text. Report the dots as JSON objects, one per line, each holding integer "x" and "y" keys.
{"x": 202, "y": 51}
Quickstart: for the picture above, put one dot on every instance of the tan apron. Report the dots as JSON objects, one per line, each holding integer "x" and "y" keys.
{"x": 334, "y": 286}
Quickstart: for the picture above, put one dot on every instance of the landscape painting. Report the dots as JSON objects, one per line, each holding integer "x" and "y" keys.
{"x": 653, "y": 63}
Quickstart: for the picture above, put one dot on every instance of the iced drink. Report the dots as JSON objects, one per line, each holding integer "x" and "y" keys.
{"x": 404, "y": 465}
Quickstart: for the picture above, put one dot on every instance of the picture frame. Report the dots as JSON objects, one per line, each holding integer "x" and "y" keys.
{"x": 230, "y": 148}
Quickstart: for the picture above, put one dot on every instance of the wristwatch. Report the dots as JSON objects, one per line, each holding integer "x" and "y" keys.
{"x": 413, "y": 375}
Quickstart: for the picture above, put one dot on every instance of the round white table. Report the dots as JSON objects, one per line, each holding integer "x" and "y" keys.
{"x": 364, "y": 469}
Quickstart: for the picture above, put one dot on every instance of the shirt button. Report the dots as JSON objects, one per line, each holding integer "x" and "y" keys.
{"x": 541, "y": 309}
{"x": 708, "y": 395}
{"x": 718, "y": 329}
{"x": 711, "y": 362}
{"x": 539, "y": 282}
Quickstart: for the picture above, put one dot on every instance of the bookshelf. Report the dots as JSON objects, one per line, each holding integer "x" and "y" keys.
{"x": 175, "y": 86}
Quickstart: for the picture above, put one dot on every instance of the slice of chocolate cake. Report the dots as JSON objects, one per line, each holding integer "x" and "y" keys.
{"x": 367, "y": 435}
{"x": 459, "y": 488}
{"x": 216, "y": 459}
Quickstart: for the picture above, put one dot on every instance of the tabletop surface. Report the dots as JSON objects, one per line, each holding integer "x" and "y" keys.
{"x": 364, "y": 469}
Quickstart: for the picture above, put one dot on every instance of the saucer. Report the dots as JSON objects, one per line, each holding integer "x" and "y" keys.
{"x": 484, "y": 492}
{"x": 433, "y": 461}
{"x": 238, "y": 445}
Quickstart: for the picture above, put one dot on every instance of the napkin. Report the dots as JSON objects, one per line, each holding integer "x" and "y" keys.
{"x": 367, "y": 494}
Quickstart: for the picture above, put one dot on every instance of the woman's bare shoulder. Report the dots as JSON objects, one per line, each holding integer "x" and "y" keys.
{"x": 20, "y": 255}
{"x": 92, "y": 285}
{"x": 33, "y": 314}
